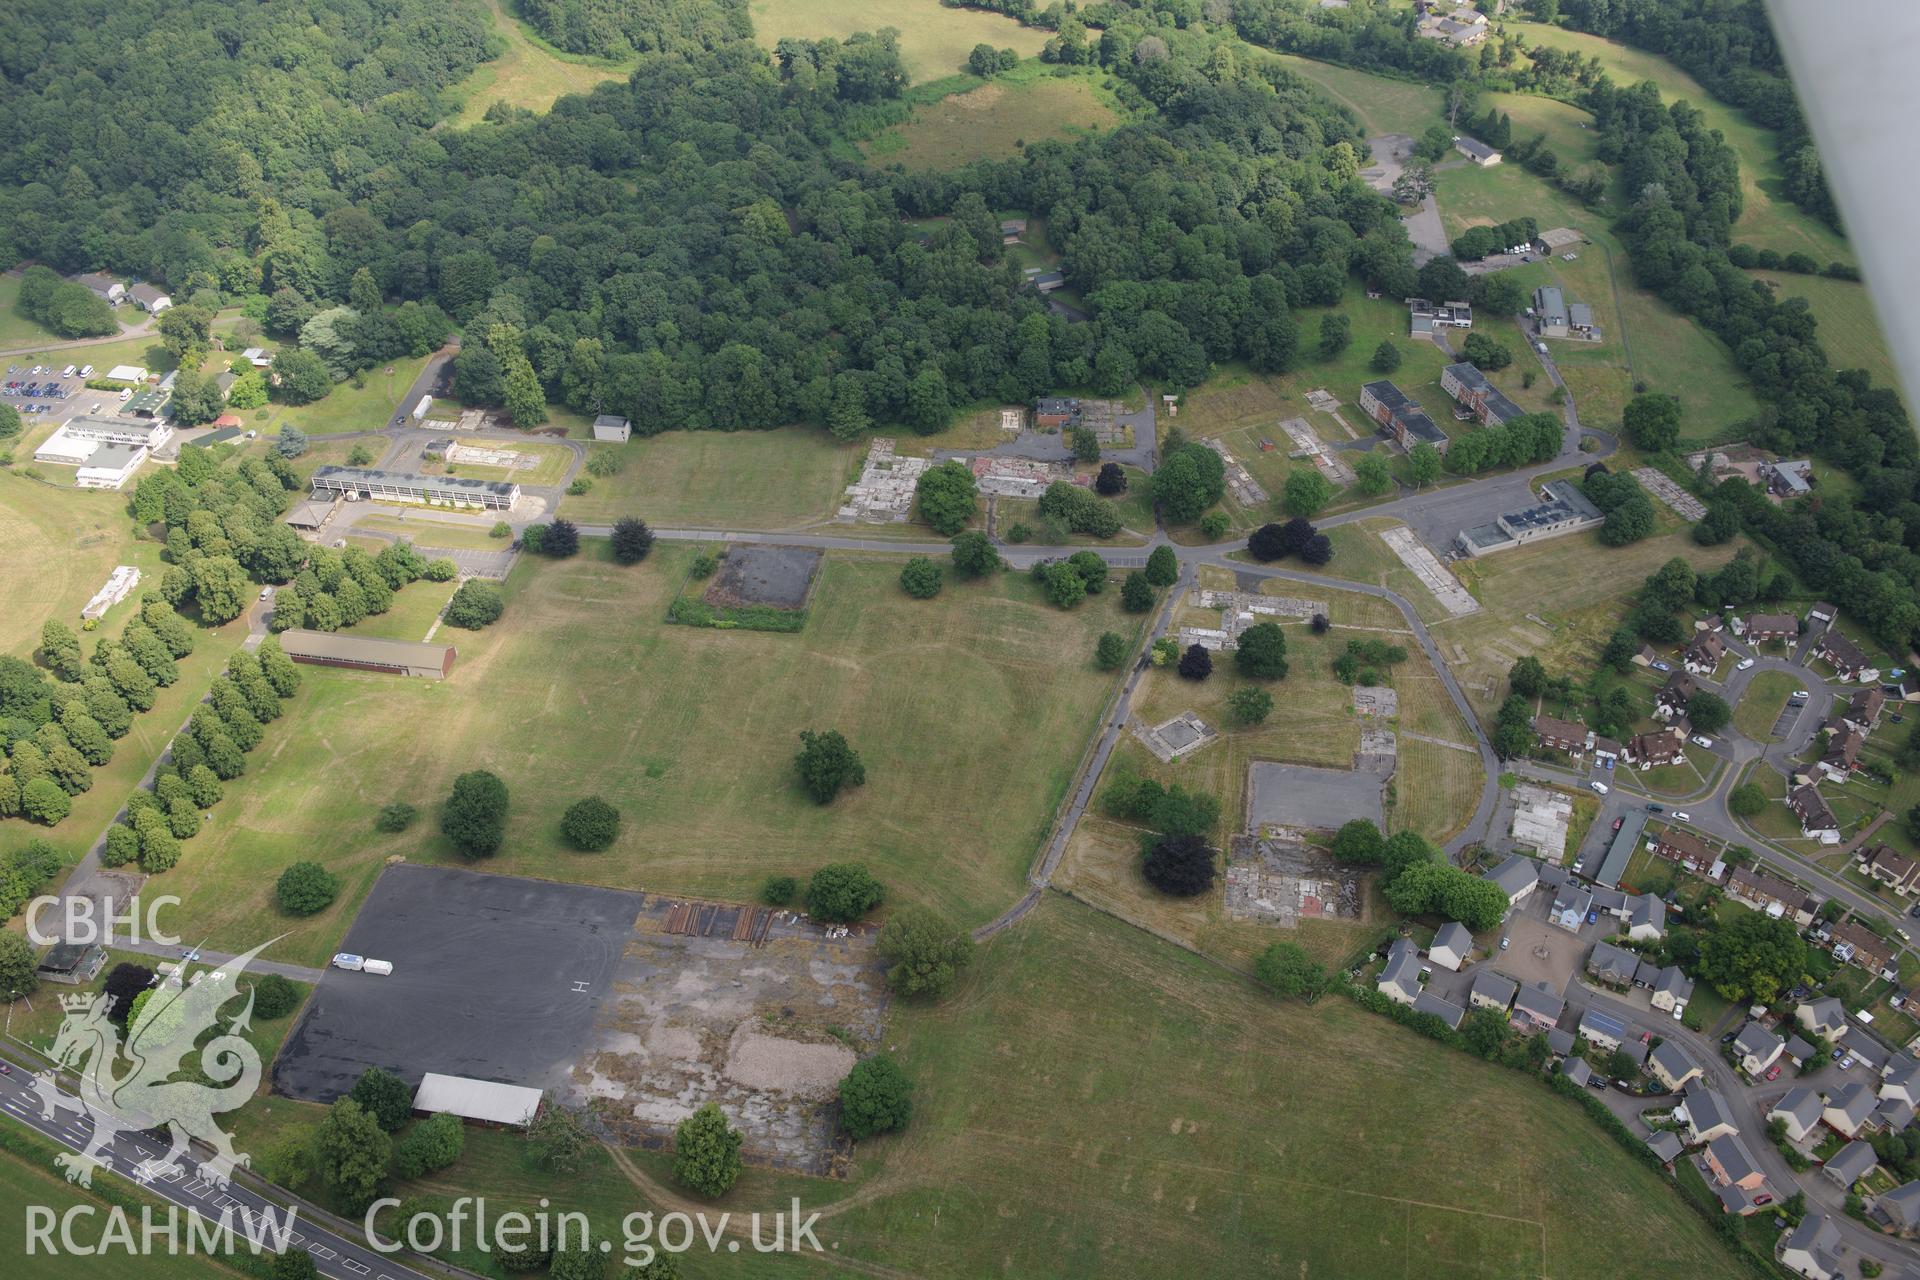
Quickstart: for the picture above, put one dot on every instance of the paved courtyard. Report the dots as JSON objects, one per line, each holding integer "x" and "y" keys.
{"x": 1293, "y": 795}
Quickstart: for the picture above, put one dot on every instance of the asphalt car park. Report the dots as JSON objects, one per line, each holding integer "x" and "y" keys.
{"x": 494, "y": 977}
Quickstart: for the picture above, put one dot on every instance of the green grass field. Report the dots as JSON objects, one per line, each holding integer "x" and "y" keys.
{"x": 994, "y": 121}
{"x": 25, "y": 1181}
{"x": 783, "y": 479}
{"x": 1384, "y": 105}
{"x": 16, "y": 330}
{"x": 1578, "y": 589}
{"x": 934, "y": 40}
{"x": 583, "y": 688}
{"x": 1768, "y": 219}
{"x": 1269, "y": 1145}
{"x": 1762, "y": 703}
{"x": 347, "y": 407}
{"x": 1645, "y": 339}
{"x": 549, "y": 464}
{"x": 529, "y": 72}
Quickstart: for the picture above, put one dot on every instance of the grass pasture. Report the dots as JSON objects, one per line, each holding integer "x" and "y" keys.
{"x": 583, "y": 688}
{"x": 781, "y": 479}
{"x": 529, "y": 72}
{"x": 1849, "y": 329}
{"x": 1384, "y": 105}
{"x": 994, "y": 121}
{"x": 934, "y": 40}
{"x": 1245, "y": 1163}
{"x": 1762, "y": 704}
{"x": 1557, "y": 600}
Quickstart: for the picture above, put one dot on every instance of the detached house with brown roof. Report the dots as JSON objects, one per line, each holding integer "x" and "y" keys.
{"x": 1843, "y": 753}
{"x": 1849, "y": 662}
{"x": 1895, "y": 870}
{"x": 1674, "y": 695}
{"x": 1562, "y": 735}
{"x": 1816, "y": 819}
{"x": 1703, "y": 655}
{"x": 1649, "y": 750}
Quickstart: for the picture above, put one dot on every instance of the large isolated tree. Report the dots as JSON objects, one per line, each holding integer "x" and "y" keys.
{"x": 842, "y": 891}
{"x": 385, "y": 1097}
{"x": 925, "y": 953}
{"x": 706, "y": 1152}
{"x": 875, "y": 1097}
{"x": 475, "y": 815}
{"x": 1261, "y": 652}
{"x": 632, "y": 540}
{"x": 827, "y": 764}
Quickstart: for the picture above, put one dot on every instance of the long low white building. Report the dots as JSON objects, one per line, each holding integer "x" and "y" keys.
{"x": 484, "y": 1100}
{"x": 403, "y": 486}
{"x": 111, "y": 465}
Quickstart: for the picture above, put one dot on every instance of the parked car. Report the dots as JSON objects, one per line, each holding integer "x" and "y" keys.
{"x": 1846, "y": 1063}
{"x": 1682, "y": 817}
{"x": 1593, "y": 917}
{"x": 1773, "y": 1072}
{"x": 1801, "y": 694}
{"x": 1504, "y": 941}
{"x": 1704, "y": 741}
{"x": 1600, "y": 787}
{"x": 1678, "y": 1014}
{"x": 1618, "y": 823}
{"x": 1743, "y": 664}
{"x": 1656, "y": 808}
{"x": 1728, "y": 1038}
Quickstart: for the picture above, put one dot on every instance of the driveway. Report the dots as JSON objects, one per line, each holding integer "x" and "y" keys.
{"x": 1424, "y": 228}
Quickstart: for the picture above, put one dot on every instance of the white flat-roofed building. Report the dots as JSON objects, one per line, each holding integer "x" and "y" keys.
{"x": 405, "y": 486}
{"x": 110, "y": 466}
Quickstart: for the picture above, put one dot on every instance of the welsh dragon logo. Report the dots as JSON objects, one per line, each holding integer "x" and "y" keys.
{"x": 132, "y": 1087}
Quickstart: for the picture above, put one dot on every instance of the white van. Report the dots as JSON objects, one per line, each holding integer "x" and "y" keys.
{"x": 1599, "y": 787}
{"x": 347, "y": 960}
{"x": 381, "y": 967}
{"x": 86, "y": 371}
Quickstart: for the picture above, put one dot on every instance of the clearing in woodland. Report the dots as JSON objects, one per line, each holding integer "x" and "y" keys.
{"x": 529, "y": 72}
{"x": 994, "y": 121}
{"x": 934, "y": 39}
{"x": 985, "y": 693}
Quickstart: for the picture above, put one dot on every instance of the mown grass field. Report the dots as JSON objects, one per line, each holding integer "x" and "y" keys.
{"x": 347, "y": 407}
{"x": 994, "y": 121}
{"x": 1849, "y": 329}
{"x": 1768, "y": 219}
{"x": 529, "y": 72}
{"x": 1579, "y": 591}
{"x": 1645, "y": 339}
{"x": 781, "y": 479}
{"x": 970, "y": 710}
{"x": 1384, "y": 105}
{"x": 1269, "y": 1145}
{"x": 934, "y": 40}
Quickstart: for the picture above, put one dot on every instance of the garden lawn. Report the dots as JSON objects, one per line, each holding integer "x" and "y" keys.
{"x": 934, "y": 40}
{"x": 350, "y": 408}
{"x": 995, "y": 120}
{"x": 971, "y": 712}
{"x": 424, "y": 531}
{"x": 1245, "y": 1161}
{"x": 1761, "y": 704}
{"x": 784, "y": 479}
{"x": 529, "y": 72}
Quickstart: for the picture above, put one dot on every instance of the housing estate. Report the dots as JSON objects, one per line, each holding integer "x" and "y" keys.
{"x": 1816, "y": 819}
{"x": 1849, "y": 663}
{"x": 1896, "y": 870}
{"x": 1762, "y": 627}
{"x": 1760, "y": 890}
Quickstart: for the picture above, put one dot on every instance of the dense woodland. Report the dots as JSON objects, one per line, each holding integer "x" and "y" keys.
{"x": 621, "y": 28}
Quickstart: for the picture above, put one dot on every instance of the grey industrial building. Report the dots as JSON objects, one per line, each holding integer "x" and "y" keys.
{"x": 367, "y": 653}
{"x": 1562, "y": 509}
